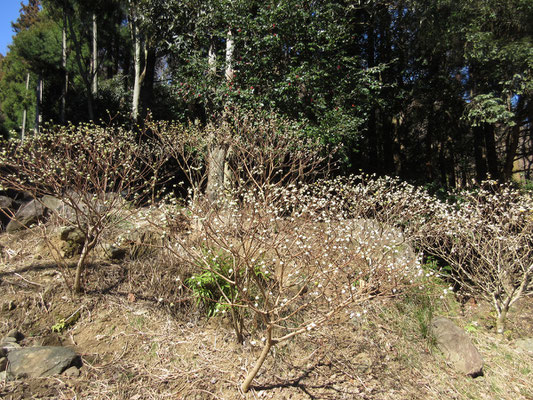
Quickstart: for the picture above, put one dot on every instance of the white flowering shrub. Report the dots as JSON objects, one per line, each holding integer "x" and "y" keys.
{"x": 92, "y": 169}
{"x": 487, "y": 240}
{"x": 485, "y": 237}
{"x": 292, "y": 260}
{"x": 258, "y": 151}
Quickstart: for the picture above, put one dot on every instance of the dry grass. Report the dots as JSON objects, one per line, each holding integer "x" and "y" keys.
{"x": 141, "y": 337}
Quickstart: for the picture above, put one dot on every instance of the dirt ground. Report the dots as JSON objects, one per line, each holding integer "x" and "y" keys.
{"x": 141, "y": 337}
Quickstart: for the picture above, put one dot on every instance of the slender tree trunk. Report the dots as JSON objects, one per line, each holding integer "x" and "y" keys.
{"x": 25, "y": 111}
{"x": 264, "y": 353}
{"x": 452, "y": 180}
{"x": 211, "y": 72}
{"x": 39, "y": 99}
{"x": 230, "y": 48}
{"x": 84, "y": 73}
{"x": 373, "y": 142}
{"x": 137, "y": 69}
{"x": 147, "y": 89}
{"x": 212, "y": 60}
{"x": 215, "y": 175}
{"x": 94, "y": 62}
{"x": 481, "y": 164}
{"x": 492, "y": 155}
{"x": 219, "y": 175}
{"x": 64, "y": 65}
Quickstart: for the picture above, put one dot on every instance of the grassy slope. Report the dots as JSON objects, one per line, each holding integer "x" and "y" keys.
{"x": 141, "y": 337}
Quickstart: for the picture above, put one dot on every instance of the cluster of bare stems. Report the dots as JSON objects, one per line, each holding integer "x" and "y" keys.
{"x": 93, "y": 170}
{"x": 297, "y": 256}
{"x": 485, "y": 236}
{"x": 243, "y": 150}
{"x": 487, "y": 241}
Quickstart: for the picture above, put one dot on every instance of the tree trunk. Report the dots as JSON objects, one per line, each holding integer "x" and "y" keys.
{"x": 501, "y": 321}
{"x": 94, "y": 61}
{"x": 137, "y": 68}
{"x": 39, "y": 99}
{"x": 80, "y": 266}
{"x": 481, "y": 164}
{"x": 230, "y": 48}
{"x": 512, "y": 148}
{"x": 82, "y": 68}
{"x": 217, "y": 170}
{"x": 25, "y": 111}
{"x": 492, "y": 156}
{"x": 215, "y": 175}
{"x": 64, "y": 65}
{"x": 147, "y": 89}
{"x": 266, "y": 349}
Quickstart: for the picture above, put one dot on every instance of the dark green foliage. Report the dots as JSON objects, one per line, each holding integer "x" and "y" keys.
{"x": 437, "y": 92}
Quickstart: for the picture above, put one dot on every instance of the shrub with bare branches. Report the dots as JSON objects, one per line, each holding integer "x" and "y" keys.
{"x": 258, "y": 151}
{"x": 282, "y": 264}
{"x": 487, "y": 240}
{"x": 93, "y": 170}
{"x": 485, "y": 236}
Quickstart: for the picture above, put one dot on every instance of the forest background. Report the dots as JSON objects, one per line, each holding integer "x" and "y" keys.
{"x": 437, "y": 92}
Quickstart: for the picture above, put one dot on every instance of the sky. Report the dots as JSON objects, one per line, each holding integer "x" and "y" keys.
{"x": 9, "y": 11}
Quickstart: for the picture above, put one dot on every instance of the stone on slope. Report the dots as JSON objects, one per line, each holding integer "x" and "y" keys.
{"x": 526, "y": 344}
{"x": 457, "y": 347}
{"x": 27, "y": 215}
{"x": 34, "y": 362}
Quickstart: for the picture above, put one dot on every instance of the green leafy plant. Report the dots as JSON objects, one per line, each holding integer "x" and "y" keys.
{"x": 65, "y": 323}
{"x": 212, "y": 287}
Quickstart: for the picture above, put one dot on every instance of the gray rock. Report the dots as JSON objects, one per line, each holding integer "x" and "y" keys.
{"x": 8, "y": 346}
{"x": 58, "y": 206}
{"x": 8, "y": 339}
{"x": 28, "y": 214}
{"x": 6, "y": 210}
{"x": 13, "y": 333}
{"x": 72, "y": 234}
{"x": 34, "y": 362}
{"x": 51, "y": 202}
{"x": 73, "y": 372}
{"x": 6, "y": 202}
{"x": 3, "y": 376}
{"x": 525, "y": 344}
{"x": 74, "y": 239}
{"x": 457, "y": 347}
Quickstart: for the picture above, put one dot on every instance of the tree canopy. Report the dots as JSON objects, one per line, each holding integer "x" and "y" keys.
{"x": 434, "y": 91}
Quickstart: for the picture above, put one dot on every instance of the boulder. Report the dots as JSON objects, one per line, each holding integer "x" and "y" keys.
{"x": 457, "y": 347}
{"x": 58, "y": 206}
{"x": 6, "y": 202}
{"x": 13, "y": 333}
{"x": 34, "y": 362}
{"x": 115, "y": 253}
{"x": 525, "y": 344}
{"x": 6, "y": 209}
{"x": 28, "y": 214}
{"x": 73, "y": 239}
